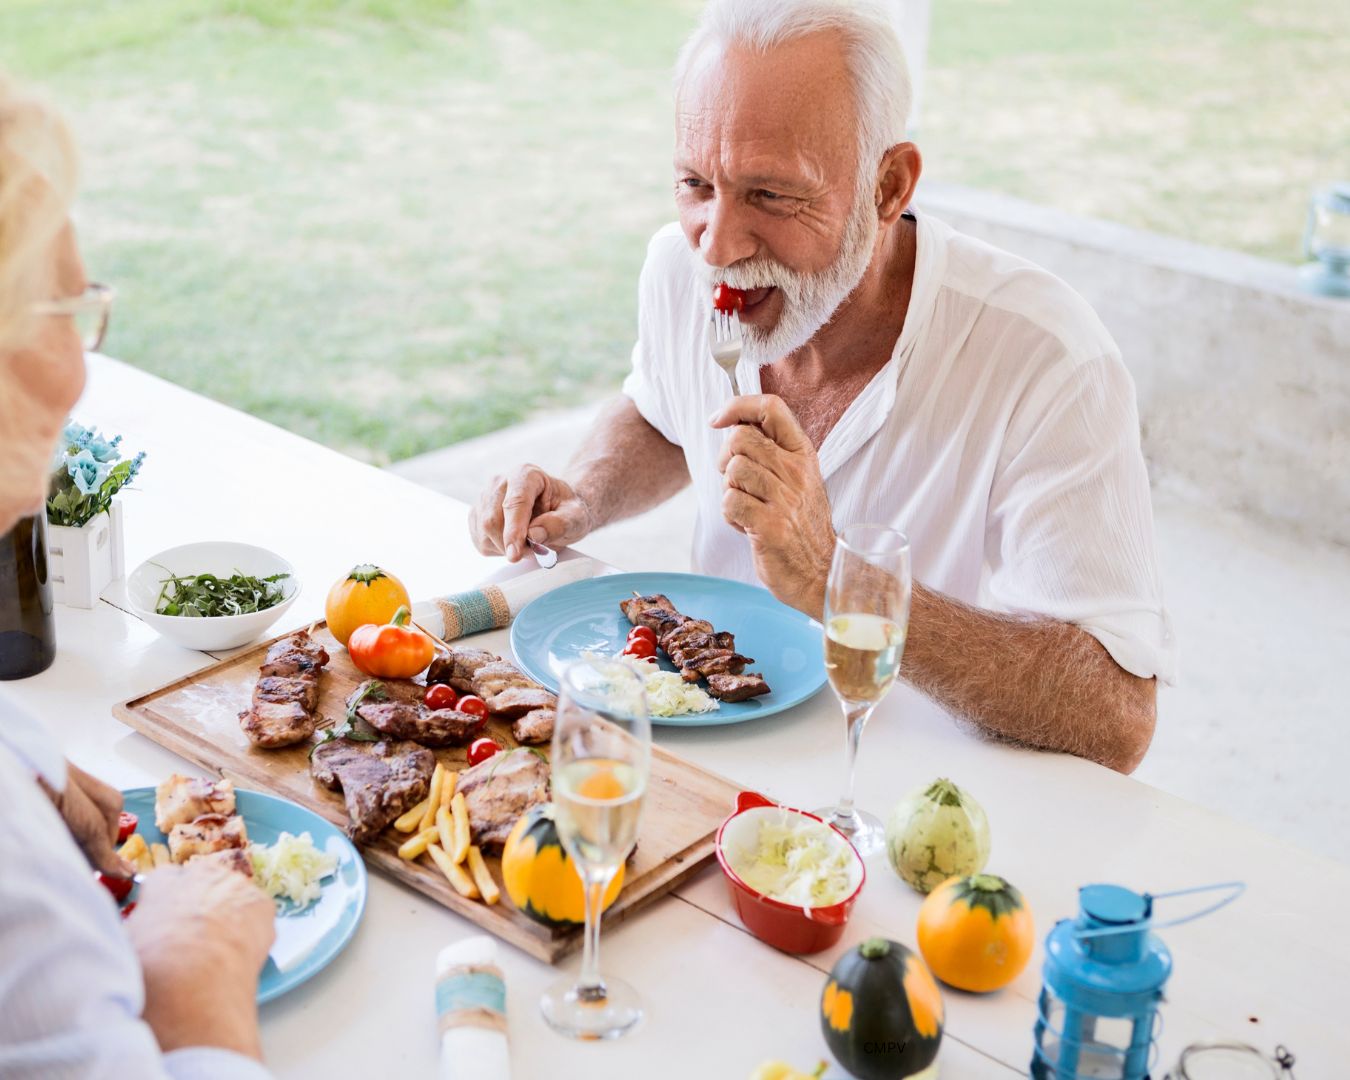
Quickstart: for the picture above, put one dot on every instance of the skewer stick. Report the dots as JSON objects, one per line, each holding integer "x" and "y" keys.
{"x": 443, "y": 644}
{"x": 310, "y": 631}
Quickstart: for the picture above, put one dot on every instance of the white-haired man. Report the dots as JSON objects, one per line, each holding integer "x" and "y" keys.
{"x": 894, "y": 371}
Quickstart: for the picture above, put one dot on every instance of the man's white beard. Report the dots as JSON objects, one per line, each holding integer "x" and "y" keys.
{"x": 809, "y": 300}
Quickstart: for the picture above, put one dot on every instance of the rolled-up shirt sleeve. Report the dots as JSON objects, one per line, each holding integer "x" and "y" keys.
{"x": 71, "y": 992}
{"x": 1071, "y": 521}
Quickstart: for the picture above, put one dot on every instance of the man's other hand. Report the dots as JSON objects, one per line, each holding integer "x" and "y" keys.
{"x": 529, "y": 502}
{"x": 774, "y": 494}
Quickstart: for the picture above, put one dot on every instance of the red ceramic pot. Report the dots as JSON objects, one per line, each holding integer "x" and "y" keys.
{"x": 793, "y": 929}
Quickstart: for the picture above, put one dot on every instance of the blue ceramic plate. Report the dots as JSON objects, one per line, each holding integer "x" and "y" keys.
{"x": 554, "y": 629}
{"x": 317, "y": 934}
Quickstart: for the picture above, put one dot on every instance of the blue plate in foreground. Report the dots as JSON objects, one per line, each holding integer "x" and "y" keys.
{"x": 555, "y": 629}
{"x": 313, "y": 937}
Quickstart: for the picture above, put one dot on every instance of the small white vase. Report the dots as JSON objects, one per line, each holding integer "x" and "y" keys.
{"x": 83, "y": 561}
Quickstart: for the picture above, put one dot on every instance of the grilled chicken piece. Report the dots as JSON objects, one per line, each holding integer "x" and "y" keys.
{"x": 699, "y": 643}
{"x": 206, "y": 834}
{"x": 458, "y": 666}
{"x": 181, "y": 799}
{"x": 509, "y": 692}
{"x": 379, "y": 781}
{"x": 497, "y": 791}
{"x": 648, "y": 611}
{"x": 287, "y": 693}
{"x": 535, "y": 727}
{"x": 298, "y": 654}
{"x": 703, "y": 667}
{"x": 301, "y": 689}
{"x": 235, "y": 859}
{"x": 737, "y": 687}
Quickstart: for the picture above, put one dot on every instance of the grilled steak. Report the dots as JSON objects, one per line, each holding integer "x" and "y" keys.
{"x": 379, "y": 781}
{"x": 287, "y": 693}
{"x": 510, "y": 692}
{"x": 736, "y": 687}
{"x": 399, "y": 712}
{"x": 497, "y": 791}
{"x": 458, "y": 666}
{"x": 535, "y": 727}
{"x": 696, "y": 649}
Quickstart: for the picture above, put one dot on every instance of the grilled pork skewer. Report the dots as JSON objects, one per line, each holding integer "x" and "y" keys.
{"x": 696, "y": 648}
{"x": 286, "y": 696}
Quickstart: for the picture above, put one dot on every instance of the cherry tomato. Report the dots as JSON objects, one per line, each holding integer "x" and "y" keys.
{"x": 481, "y": 750}
{"x": 119, "y": 887}
{"x": 474, "y": 706}
{"x": 126, "y": 825}
{"x": 129, "y": 909}
{"x": 640, "y": 647}
{"x": 642, "y": 632}
{"x": 727, "y": 299}
{"x": 440, "y": 697}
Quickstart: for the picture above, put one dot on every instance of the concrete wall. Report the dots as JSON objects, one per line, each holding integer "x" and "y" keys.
{"x": 1243, "y": 380}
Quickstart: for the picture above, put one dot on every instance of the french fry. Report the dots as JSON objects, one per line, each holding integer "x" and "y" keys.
{"x": 160, "y": 854}
{"x": 448, "y": 784}
{"x": 445, "y": 829}
{"x": 461, "y": 811}
{"x": 481, "y": 877}
{"x": 415, "y": 845}
{"x": 409, "y": 821}
{"x": 459, "y": 880}
{"x": 433, "y": 799}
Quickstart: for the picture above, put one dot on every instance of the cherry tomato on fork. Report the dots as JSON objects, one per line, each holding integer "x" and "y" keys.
{"x": 474, "y": 706}
{"x": 126, "y": 825}
{"x": 727, "y": 299}
{"x": 482, "y": 749}
{"x": 119, "y": 887}
{"x": 440, "y": 696}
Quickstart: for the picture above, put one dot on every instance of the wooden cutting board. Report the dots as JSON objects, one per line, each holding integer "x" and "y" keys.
{"x": 198, "y": 717}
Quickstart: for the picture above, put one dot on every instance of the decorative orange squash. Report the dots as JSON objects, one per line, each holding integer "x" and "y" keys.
{"x": 541, "y": 878}
{"x": 976, "y": 932}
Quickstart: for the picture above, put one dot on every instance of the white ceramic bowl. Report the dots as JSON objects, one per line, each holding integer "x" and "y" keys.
{"x": 222, "y": 558}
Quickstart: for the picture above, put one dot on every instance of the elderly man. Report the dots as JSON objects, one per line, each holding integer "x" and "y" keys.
{"x": 895, "y": 371}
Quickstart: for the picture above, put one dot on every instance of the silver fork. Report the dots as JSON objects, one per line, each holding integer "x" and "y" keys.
{"x": 726, "y": 345}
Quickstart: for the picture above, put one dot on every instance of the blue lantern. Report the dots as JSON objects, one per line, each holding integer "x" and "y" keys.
{"x": 1103, "y": 982}
{"x": 1327, "y": 240}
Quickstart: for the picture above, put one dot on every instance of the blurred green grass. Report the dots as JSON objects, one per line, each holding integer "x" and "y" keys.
{"x": 393, "y": 224}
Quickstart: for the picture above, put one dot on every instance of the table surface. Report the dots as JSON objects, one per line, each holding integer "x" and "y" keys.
{"x": 1268, "y": 969}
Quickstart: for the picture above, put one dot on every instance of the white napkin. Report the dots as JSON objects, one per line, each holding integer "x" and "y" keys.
{"x": 471, "y": 1011}
{"x": 494, "y": 605}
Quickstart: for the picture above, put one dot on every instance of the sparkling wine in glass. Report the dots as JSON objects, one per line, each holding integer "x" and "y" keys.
{"x": 866, "y": 619}
{"x": 600, "y": 762}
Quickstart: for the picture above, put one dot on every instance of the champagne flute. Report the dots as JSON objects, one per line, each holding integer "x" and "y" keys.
{"x": 866, "y": 619}
{"x": 600, "y": 761}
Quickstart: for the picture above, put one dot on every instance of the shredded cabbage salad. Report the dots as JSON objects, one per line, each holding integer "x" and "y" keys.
{"x": 667, "y": 693}
{"x": 796, "y": 863}
{"x": 292, "y": 867}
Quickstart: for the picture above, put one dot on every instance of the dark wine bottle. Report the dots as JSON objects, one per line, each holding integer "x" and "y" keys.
{"x": 27, "y": 628}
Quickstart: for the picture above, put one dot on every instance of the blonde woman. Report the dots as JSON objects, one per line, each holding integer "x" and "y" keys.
{"x": 170, "y": 992}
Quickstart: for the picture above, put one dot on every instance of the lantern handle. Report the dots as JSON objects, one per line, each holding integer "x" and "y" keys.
{"x": 1236, "y": 889}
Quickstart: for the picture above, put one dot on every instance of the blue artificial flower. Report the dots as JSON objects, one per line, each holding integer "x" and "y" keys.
{"x": 75, "y": 435}
{"x": 103, "y": 451}
{"x": 87, "y": 472}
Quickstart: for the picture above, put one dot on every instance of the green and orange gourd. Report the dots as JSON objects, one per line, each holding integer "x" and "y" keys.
{"x": 881, "y": 1012}
{"x": 540, "y": 877}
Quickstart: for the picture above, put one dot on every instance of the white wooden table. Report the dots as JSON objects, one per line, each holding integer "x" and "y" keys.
{"x": 1274, "y": 967}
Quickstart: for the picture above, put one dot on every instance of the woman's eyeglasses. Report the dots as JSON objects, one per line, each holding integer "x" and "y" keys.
{"x": 90, "y": 310}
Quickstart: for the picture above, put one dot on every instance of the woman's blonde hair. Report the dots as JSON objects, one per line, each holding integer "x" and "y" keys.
{"x": 37, "y": 184}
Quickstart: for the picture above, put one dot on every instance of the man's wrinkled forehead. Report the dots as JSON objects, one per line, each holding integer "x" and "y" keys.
{"x": 795, "y": 98}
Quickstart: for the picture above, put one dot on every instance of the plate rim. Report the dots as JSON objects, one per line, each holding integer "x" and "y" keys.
{"x": 301, "y": 974}
{"x": 708, "y": 719}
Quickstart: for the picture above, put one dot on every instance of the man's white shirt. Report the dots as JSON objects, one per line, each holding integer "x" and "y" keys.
{"x": 1002, "y": 438}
